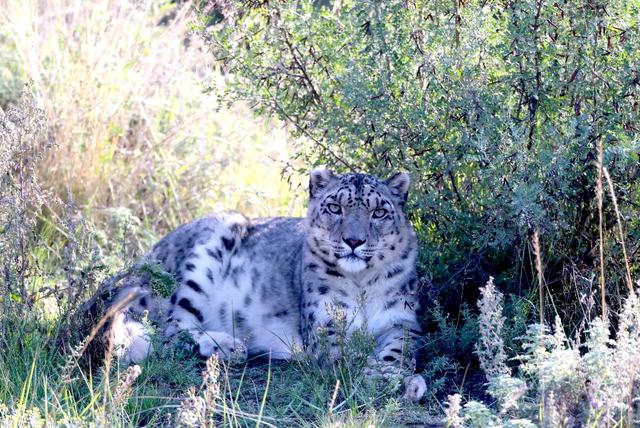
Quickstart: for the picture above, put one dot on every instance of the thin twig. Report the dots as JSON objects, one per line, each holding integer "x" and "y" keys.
{"x": 620, "y": 231}
{"x": 600, "y": 229}
{"x": 538, "y": 253}
{"x": 334, "y": 396}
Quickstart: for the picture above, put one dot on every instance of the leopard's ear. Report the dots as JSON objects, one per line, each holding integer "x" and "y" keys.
{"x": 399, "y": 187}
{"x": 319, "y": 179}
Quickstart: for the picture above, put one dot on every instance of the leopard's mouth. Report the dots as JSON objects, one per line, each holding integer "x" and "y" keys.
{"x": 353, "y": 263}
{"x": 352, "y": 257}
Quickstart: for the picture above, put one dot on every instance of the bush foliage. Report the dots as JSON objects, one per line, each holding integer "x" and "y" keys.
{"x": 495, "y": 108}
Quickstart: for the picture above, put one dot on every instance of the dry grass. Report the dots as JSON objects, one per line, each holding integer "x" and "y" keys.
{"x": 125, "y": 104}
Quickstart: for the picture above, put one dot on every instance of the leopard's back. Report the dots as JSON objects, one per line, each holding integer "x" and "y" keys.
{"x": 236, "y": 276}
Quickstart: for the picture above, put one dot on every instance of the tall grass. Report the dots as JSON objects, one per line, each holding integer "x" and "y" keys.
{"x": 589, "y": 378}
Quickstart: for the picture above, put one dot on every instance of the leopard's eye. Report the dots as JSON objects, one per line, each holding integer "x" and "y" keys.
{"x": 334, "y": 208}
{"x": 380, "y": 213}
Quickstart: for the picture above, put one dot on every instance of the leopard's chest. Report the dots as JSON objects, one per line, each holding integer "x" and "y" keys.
{"x": 364, "y": 303}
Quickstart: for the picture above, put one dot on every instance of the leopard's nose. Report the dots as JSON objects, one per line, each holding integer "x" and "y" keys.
{"x": 353, "y": 243}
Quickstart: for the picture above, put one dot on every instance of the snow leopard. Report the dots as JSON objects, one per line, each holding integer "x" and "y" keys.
{"x": 274, "y": 285}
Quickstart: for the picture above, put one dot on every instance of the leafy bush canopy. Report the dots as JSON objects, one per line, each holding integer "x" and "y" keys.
{"x": 495, "y": 108}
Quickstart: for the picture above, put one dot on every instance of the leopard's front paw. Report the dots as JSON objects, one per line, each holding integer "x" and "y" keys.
{"x": 414, "y": 385}
{"x": 384, "y": 369}
{"x": 414, "y": 388}
{"x": 227, "y": 347}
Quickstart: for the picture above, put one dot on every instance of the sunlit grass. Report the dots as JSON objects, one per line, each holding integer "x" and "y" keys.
{"x": 124, "y": 97}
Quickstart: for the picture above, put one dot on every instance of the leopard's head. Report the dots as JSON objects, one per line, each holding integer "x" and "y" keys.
{"x": 356, "y": 221}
